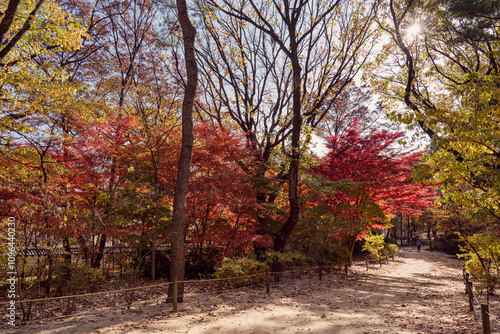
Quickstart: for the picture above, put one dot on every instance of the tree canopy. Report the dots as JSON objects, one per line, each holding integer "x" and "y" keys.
{"x": 184, "y": 132}
{"x": 447, "y": 77}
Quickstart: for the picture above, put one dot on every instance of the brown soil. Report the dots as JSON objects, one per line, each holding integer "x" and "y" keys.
{"x": 418, "y": 293}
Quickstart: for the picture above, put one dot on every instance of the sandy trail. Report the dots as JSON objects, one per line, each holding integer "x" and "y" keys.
{"x": 418, "y": 293}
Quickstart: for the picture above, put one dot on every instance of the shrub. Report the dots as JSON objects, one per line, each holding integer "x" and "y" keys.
{"x": 237, "y": 267}
{"x": 69, "y": 277}
{"x": 448, "y": 243}
{"x": 201, "y": 264}
{"x": 197, "y": 270}
{"x": 287, "y": 258}
{"x": 162, "y": 265}
{"x": 482, "y": 252}
{"x": 390, "y": 240}
{"x": 390, "y": 250}
{"x": 339, "y": 254}
{"x": 375, "y": 245}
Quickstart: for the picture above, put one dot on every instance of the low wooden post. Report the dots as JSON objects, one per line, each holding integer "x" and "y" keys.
{"x": 471, "y": 296}
{"x": 466, "y": 282}
{"x": 485, "y": 317}
{"x": 174, "y": 301}
{"x": 267, "y": 281}
{"x": 129, "y": 298}
{"x": 345, "y": 263}
{"x": 366, "y": 264}
{"x": 320, "y": 272}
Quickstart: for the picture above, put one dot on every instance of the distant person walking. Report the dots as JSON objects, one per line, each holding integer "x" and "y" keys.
{"x": 418, "y": 245}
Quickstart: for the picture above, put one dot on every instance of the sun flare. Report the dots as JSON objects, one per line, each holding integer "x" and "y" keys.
{"x": 414, "y": 30}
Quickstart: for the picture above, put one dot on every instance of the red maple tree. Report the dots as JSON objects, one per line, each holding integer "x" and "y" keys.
{"x": 222, "y": 206}
{"x": 369, "y": 177}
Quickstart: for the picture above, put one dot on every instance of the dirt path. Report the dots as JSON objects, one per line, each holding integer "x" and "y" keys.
{"x": 418, "y": 293}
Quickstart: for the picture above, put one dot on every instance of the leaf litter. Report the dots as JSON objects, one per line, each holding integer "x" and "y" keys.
{"x": 419, "y": 293}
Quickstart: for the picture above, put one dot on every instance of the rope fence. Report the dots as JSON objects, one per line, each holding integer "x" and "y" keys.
{"x": 486, "y": 316}
{"x": 493, "y": 317}
{"x": 26, "y": 305}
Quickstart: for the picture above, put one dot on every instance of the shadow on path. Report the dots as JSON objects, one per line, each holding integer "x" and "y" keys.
{"x": 421, "y": 292}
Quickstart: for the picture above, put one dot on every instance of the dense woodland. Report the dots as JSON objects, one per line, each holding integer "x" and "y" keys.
{"x": 174, "y": 135}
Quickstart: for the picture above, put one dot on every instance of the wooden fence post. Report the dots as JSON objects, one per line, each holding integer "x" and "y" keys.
{"x": 485, "y": 317}
{"x": 471, "y": 296}
{"x": 320, "y": 272}
{"x": 267, "y": 281}
{"x": 466, "y": 281}
{"x": 366, "y": 264}
{"x": 174, "y": 301}
{"x": 346, "y": 268}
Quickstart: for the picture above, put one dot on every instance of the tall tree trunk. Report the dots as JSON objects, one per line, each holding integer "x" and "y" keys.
{"x": 408, "y": 233}
{"x": 99, "y": 255}
{"x": 352, "y": 242}
{"x": 153, "y": 244}
{"x": 67, "y": 256}
{"x": 282, "y": 236}
{"x": 50, "y": 259}
{"x": 181, "y": 185}
{"x": 157, "y": 222}
{"x": 45, "y": 207}
{"x": 401, "y": 232}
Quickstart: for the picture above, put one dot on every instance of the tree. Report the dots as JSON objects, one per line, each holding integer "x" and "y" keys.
{"x": 121, "y": 68}
{"x": 26, "y": 87}
{"x": 156, "y": 102}
{"x": 447, "y": 77}
{"x": 308, "y": 51}
{"x": 482, "y": 251}
{"x": 158, "y": 136}
{"x": 368, "y": 179}
{"x": 184, "y": 165}
{"x": 31, "y": 191}
{"x": 447, "y": 225}
{"x": 100, "y": 166}
{"x": 355, "y": 104}
{"x": 34, "y": 96}
{"x": 21, "y": 36}
{"x": 222, "y": 203}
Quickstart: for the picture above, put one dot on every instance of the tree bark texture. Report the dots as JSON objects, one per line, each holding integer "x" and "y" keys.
{"x": 282, "y": 236}
{"x": 181, "y": 186}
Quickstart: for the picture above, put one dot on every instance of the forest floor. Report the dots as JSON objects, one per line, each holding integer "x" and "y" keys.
{"x": 420, "y": 292}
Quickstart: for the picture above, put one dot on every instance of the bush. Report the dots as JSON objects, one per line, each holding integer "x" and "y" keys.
{"x": 483, "y": 259}
{"x": 390, "y": 250}
{"x": 375, "y": 245}
{"x": 201, "y": 265}
{"x": 69, "y": 278}
{"x": 287, "y": 258}
{"x": 448, "y": 243}
{"x": 237, "y": 267}
{"x": 162, "y": 265}
{"x": 197, "y": 270}
{"x": 390, "y": 240}
{"x": 339, "y": 254}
